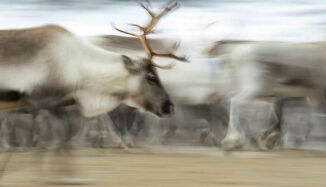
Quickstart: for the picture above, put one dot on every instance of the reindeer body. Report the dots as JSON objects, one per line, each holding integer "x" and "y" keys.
{"x": 274, "y": 68}
{"x": 263, "y": 69}
{"x": 50, "y": 60}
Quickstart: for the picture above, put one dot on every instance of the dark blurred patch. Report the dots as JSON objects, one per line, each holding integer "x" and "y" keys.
{"x": 9, "y": 96}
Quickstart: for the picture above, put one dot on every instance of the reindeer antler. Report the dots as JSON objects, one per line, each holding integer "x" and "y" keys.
{"x": 148, "y": 29}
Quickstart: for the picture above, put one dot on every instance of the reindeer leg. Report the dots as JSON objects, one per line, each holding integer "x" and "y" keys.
{"x": 67, "y": 172}
{"x": 233, "y": 139}
{"x": 127, "y": 137}
{"x": 107, "y": 125}
{"x": 271, "y": 138}
{"x": 251, "y": 82}
{"x": 63, "y": 157}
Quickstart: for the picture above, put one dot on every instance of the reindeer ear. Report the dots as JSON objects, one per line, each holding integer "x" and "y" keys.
{"x": 132, "y": 66}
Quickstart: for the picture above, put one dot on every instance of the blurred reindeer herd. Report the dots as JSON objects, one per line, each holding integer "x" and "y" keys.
{"x": 59, "y": 90}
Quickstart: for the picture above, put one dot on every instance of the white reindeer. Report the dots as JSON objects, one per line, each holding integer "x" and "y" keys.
{"x": 47, "y": 66}
{"x": 256, "y": 70}
{"x": 49, "y": 63}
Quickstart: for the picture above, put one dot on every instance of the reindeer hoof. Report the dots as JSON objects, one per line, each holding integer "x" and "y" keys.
{"x": 129, "y": 142}
{"x": 210, "y": 139}
{"x": 232, "y": 144}
{"x": 268, "y": 141}
{"x": 273, "y": 140}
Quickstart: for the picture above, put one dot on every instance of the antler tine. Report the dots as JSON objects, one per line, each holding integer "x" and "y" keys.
{"x": 156, "y": 17}
{"x": 148, "y": 3}
{"x": 170, "y": 55}
{"x": 168, "y": 7}
{"x": 151, "y": 13}
{"x": 125, "y": 32}
{"x": 175, "y": 46}
{"x": 148, "y": 29}
{"x": 142, "y": 38}
{"x": 170, "y": 3}
{"x": 138, "y": 26}
{"x": 143, "y": 29}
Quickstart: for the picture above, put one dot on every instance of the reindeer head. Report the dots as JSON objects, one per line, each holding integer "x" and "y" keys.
{"x": 149, "y": 92}
{"x": 151, "y": 95}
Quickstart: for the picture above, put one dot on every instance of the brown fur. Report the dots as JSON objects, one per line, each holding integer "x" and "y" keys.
{"x": 19, "y": 46}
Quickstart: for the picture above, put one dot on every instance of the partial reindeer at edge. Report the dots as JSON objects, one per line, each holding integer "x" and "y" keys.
{"x": 257, "y": 70}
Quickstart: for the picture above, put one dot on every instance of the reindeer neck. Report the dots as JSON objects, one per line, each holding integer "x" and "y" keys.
{"x": 92, "y": 66}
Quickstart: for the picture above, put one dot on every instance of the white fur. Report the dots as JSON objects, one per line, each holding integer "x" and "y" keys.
{"x": 94, "y": 103}
{"x": 250, "y": 80}
{"x": 95, "y": 74}
{"x": 22, "y": 78}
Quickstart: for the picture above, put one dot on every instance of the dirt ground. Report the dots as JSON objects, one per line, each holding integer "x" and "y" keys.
{"x": 168, "y": 166}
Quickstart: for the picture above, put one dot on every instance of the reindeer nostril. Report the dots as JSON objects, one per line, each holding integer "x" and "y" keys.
{"x": 167, "y": 108}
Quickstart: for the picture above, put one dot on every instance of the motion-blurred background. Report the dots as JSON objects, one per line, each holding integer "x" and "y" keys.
{"x": 199, "y": 124}
{"x": 286, "y": 20}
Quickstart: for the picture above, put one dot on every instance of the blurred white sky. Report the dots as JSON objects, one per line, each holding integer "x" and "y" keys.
{"x": 257, "y": 19}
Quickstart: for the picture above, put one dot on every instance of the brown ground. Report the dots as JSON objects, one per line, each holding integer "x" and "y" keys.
{"x": 170, "y": 166}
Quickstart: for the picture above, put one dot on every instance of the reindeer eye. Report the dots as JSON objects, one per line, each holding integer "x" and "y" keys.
{"x": 151, "y": 78}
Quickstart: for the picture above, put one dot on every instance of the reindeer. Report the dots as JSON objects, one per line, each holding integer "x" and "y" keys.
{"x": 49, "y": 63}
{"x": 258, "y": 70}
{"x": 48, "y": 67}
{"x": 187, "y": 93}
